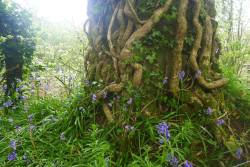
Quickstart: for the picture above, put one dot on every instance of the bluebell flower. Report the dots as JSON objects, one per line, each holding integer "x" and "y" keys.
{"x": 23, "y": 98}
{"x": 163, "y": 129}
{"x": 12, "y": 156}
{"x": 94, "y": 98}
{"x": 187, "y": 164}
{"x": 13, "y": 144}
{"x": 173, "y": 161}
{"x": 165, "y": 81}
{"x": 209, "y": 111}
{"x": 220, "y": 122}
{"x": 130, "y": 101}
{"x": 181, "y": 75}
{"x": 198, "y": 74}
{"x": 239, "y": 153}
{"x": 8, "y": 104}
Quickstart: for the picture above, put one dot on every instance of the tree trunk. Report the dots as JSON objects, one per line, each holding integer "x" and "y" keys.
{"x": 171, "y": 48}
{"x": 142, "y": 54}
{"x": 13, "y": 65}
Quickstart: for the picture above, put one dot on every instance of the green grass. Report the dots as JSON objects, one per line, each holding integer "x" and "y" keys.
{"x": 89, "y": 143}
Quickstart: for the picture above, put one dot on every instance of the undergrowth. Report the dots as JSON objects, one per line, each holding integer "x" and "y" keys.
{"x": 65, "y": 131}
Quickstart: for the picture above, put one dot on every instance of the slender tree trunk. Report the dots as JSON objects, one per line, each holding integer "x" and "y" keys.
{"x": 239, "y": 26}
{"x": 13, "y": 65}
{"x": 230, "y": 20}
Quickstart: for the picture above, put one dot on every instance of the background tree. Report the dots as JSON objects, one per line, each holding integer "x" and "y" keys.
{"x": 17, "y": 43}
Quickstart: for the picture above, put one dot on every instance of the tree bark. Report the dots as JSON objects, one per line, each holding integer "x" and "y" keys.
{"x": 142, "y": 56}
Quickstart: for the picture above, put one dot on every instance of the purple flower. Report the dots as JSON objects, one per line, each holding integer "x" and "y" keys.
{"x": 209, "y": 111}
{"x": 187, "y": 164}
{"x": 181, "y": 75}
{"x": 62, "y": 136}
{"x": 12, "y": 156}
{"x": 173, "y": 161}
{"x": 165, "y": 81}
{"x": 13, "y": 144}
{"x": 22, "y": 97}
{"x": 129, "y": 127}
{"x": 30, "y": 118}
{"x": 94, "y": 98}
{"x": 198, "y": 74}
{"x": 163, "y": 129}
{"x": 220, "y": 122}
{"x": 239, "y": 153}
{"x": 130, "y": 101}
{"x": 8, "y": 104}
